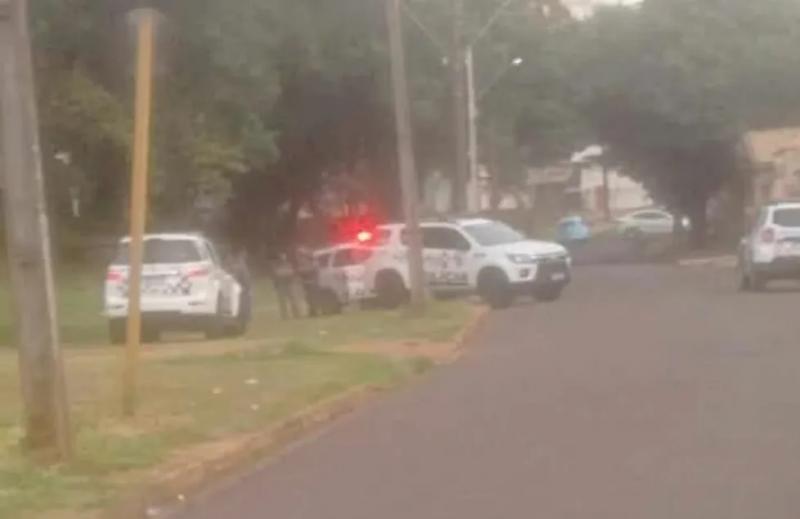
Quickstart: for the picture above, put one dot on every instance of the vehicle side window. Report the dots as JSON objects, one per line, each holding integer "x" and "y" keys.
{"x": 382, "y": 237}
{"x": 212, "y": 253}
{"x": 343, "y": 258}
{"x": 430, "y": 238}
{"x": 651, "y": 216}
{"x": 322, "y": 260}
{"x": 763, "y": 217}
{"x": 350, "y": 257}
{"x": 444, "y": 238}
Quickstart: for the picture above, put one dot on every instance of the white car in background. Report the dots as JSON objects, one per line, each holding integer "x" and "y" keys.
{"x": 184, "y": 287}
{"x": 771, "y": 251}
{"x": 469, "y": 255}
{"x": 341, "y": 276}
{"x": 647, "y": 222}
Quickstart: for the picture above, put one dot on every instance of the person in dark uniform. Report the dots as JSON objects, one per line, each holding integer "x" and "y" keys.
{"x": 241, "y": 271}
{"x": 283, "y": 277}
{"x": 309, "y": 279}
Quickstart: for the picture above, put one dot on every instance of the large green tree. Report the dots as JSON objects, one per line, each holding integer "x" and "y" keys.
{"x": 670, "y": 85}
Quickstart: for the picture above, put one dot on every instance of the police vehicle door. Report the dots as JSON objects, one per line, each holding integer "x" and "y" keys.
{"x": 446, "y": 253}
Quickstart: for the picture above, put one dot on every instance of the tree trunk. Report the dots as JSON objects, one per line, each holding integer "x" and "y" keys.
{"x": 698, "y": 235}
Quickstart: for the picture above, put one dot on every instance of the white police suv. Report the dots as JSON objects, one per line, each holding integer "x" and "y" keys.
{"x": 468, "y": 255}
{"x": 341, "y": 276}
{"x": 184, "y": 287}
{"x": 771, "y": 250}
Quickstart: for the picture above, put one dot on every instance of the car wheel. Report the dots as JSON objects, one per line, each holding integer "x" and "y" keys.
{"x": 745, "y": 283}
{"x": 391, "y": 290}
{"x": 330, "y": 303}
{"x": 150, "y": 334}
{"x": 216, "y": 327}
{"x": 116, "y": 331}
{"x": 548, "y": 294}
{"x": 758, "y": 282}
{"x": 494, "y": 289}
{"x": 632, "y": 234}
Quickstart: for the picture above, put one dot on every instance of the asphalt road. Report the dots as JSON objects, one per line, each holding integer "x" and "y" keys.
{"x": 647, "y": 392}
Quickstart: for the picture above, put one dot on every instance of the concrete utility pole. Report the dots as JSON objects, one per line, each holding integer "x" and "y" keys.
{"x": 473, "y": 200}
{"x": 47, "y": 429}
{"x": 460, "y": 116}
{"x": 405, "y": 150}
{"x": 145, "y": 20}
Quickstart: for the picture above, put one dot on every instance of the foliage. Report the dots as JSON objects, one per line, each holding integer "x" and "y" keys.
{"x": 261, "y": 104}
{"x": 671, "y": 85}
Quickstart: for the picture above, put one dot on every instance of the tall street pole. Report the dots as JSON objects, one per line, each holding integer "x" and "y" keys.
{"x": 47, "y": 428}
{"x": 473, "y": 185}
{"x": 459, "y": 83}
{"x": 405, "y": 150}
{"x": 145, "y": 27}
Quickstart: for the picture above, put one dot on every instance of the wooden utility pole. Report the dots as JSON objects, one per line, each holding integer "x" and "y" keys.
{"x": 145, "y": 20}
{"x": 405, "y": 150}
{"x": 458, "y": 80}
{"x": 47, "y": 429}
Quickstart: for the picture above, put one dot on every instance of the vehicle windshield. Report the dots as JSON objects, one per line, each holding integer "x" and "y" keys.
{"x": 787, "y": 217}
{"x": 494, "y": 233}
{"x": 162, "y": 251}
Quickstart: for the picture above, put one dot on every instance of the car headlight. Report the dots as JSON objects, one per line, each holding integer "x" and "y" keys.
{"x": 523, "y": 259}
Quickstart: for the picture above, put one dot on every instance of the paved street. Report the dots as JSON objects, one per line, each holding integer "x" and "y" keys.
{"x": 648, "y": 392}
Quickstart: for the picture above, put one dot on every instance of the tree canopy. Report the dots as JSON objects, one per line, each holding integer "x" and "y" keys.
{"x": 261, "y": 102}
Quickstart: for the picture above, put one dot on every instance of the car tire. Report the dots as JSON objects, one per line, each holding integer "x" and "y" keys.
{"x": 390, "y": 289}
{"x": 745, "y": 283}
{"x": 150, "y": 334}
{"x": 330, "y": 303}
{"x": 633, "y": 234}
{"x": 495, "y": 289}
{"x": 548, "y": 294}
{"x": 217, "y": 327}
{"x": 758, "y": 282}
{"x": 117, "y": 332}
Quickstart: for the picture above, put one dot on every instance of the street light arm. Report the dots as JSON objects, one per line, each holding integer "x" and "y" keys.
{"x": 513, "y": 64}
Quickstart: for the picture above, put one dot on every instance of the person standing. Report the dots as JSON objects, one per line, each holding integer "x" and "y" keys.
{"x": 241, "y": 271}
{"x": 309, "y": 279}
{"x": 283, "y": 280}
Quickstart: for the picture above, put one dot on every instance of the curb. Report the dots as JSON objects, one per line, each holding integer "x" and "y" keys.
{"x": 166, "y": 493}
{"x": 162, "y": 492}
{"x": 472, "y": 328}
{"x": 726, "y": 261}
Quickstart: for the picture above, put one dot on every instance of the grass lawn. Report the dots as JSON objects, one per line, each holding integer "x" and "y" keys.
{"x": 192, "y": 392}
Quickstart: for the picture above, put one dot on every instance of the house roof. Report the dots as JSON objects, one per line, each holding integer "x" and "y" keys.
{"x": 767, "y": 145}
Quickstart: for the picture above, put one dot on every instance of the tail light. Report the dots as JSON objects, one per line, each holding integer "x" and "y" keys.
{"x": 768, "y": 235}
{"x": 115, "y": 276}
{"x": 198, "y": 272}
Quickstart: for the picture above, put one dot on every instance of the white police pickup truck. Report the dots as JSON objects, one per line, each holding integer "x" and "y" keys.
{"x": 468, "y": 255}
{"x": 184, "y": 287}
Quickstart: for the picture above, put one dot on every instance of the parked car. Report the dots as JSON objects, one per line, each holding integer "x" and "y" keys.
{"x": 648, "y": 222}
{"x": 341, "y": 276}
{"x": 184, "y": 287}
{"x": 572, "y": 230}
{"x": 771, "y": 251}
{"x": 471, "y": 256}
